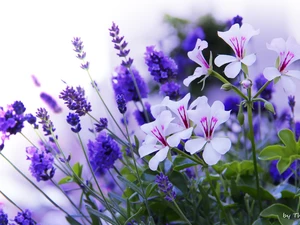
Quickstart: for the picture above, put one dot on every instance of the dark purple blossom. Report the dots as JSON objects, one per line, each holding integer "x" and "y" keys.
{"x": 140, "y": 115}
{"x": 190, "y": 173}
{"x": 85, "y": 66}
{"x": 171, "y": 89}
{"x": 292, "y": 102}
{"x": 24, "y": 218}
{"x": 50, "y": 101}
{"x": 75, "y": 100}
{"x": 74, "y": 120}
{"x": 160, "y": 66}
{"x": 18, "y": 107}
{"x": 3, "y": 218}
{"x": 42, "y": 161}
{"x": 103, "y": 152}
{"x": 237, "y": 19}
{"x": 188, "y": 43}
{"x": 120, "y": 44}
{"x": 123, "y": 84}
{"x": 101, "y": 125}
{"x": 290, "y": 172}
{"x": 297, "y": 130}
{"x": 48, "y": 127}
{"x": 121, "y": 103}
{"x": 259, "y": 81}
{"x": 232, "y": 103}
{"x": 165, "y": 186}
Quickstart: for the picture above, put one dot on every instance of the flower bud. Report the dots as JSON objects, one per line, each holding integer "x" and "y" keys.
{"x": 246, "y": 84}
{"x": 240, "y": 115}
{"x": 269, "y": 107}
{"x": 226, "y": 87}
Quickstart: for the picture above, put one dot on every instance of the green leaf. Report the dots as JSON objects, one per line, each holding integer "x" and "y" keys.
{"x": 262, "y": 221}
{"x": 65, "y": 180}
{"x": 130, "y": 185}
{"x": 283, "y": 164}
{"x": 288, "y": 139}
{"x": 279, "y": 212}
{"x": 101, "y": 215}
{"x": 77, "y": 169}
{"x": 72, "y": 221}
{"x": 181, "y": 163}
{"x": 134, "y": 215}
{"x": 272, "y": 152}
{"x": 137, "y": 143}
{"x": 179, "y": 181}
{"x": 149, "y": 189}
{"x": 149, "y": 175}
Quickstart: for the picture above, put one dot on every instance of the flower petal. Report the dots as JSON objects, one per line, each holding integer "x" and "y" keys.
{"x": 199, "y": 71}
{"x": 288, "y": 85}
{"x": 277, "y": 45}
{"x": 210, "y": 156}
{"x": 294, "y": 47}
{"x": 174, "y": 140}
{"x": 198, "y": 101}
{"x": 234, "y": 31}
{"x": 271, "y": 72}
{"x": 218, "y": 111}
{"x": 221, "y": 145}
{"x": 159, "y": 157}
{"x": 248, "y": 32}
{"x": 194, "y": 145}
{"x": 147, "y": 149}
{"x": 293, "y": 73}
{"x": 196, "y": 54}
{"x": 233, "y": 69}
{"x": 248, "y": 60}
{"x": 220, "y": 60}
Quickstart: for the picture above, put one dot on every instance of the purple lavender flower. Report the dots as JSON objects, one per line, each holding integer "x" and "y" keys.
{"x": 292, "y": 102}
{"x": 103, "y": 152}
{"x": 3, "y": 218}
{"x": 78, "y": 48}
{"x": 18, "y": 107}
{"x": 74, "y": 120}
{"x": 190, "y": 174}
{"x": 160, "y": 66}
{"x": 41, "y": 166}
{"x": 24, "y": 218}
{"x": 48, "y": 127}
{"x": 35, "y": 81}
{"x": 188, "y": 43}
{"x": 123, "y": 84}
{"x": 121, "y": 103}
{"x": 237, "y": 19}
{"x": 75, "y": 100}
{"x": 259, "y": 81}
{"x": 120, "y": 45}
{"x": 171, "y": 89}
{"x": 165, "y": 186}
{"x": 50, "y": 101}
{"x": 232, "y": 103}
{"x": 140, "y": 116}
{"x": 290, "y": 172}
{"x": 101, "y": 125}
{"x": 297, "y": 130}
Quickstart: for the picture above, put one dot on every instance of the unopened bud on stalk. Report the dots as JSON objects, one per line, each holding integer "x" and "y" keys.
{"x": 246, "y": 84}
{"x": 269, "y": 107}
{"x": 240, "y": 115}
{"x": 226, "y": 87}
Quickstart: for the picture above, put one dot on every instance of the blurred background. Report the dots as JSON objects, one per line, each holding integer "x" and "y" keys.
{"x": 36, "y": 40}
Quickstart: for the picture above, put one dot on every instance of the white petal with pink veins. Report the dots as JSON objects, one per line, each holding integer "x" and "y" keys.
{"x": 220, "y": 60}
{"x": 210, "y": 155}
{"x": 271, "y": 72}
{"x": 288, "y": 85}
{"x": 160, "y": 156}
{"x": 196, "y": 54}
{"x": 194, "y": 145}
{"x": 199, "y": 72}
{"x": 248, "y": 32}
{"x": 221, "y": 145}
{"x": 233, "y": 69}
{"x": 249, "y": 59}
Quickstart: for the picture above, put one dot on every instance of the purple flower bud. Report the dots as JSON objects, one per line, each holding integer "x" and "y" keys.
{"x": 121, "y": 103}
{"x": 165, "y": 186}
{"x": 50, "y": 101}
{"x": 101, "y": 125}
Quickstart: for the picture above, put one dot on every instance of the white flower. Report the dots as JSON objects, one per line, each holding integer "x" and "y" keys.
{"x": 156, "y": 140}
{"x": 288, "y": 52}
{"x": 208, "y": 119}
{"x": 237, "y": 38}
{"x": 197, "y": 56}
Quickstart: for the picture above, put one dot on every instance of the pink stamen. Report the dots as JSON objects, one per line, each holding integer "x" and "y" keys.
{"x": 202, "y": 60}
{"x": 182, "y": 114}
{"x": 155, "y": 131}
{"x": 288, "y": 57}
{"x": 238, "y": 45}
{"x": 208, "y": 126}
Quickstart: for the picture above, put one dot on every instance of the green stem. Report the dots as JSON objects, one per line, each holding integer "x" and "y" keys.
{"x": 234, "y": 88}
{"x": 34, "y": 185}
{"x": 250, "y": 122}
{"x": 187, "y": 156}
{"x": 216, "y": 196}
{"x": 181, "y": 213}
{"x": 262, "y": 88}
{"x": 11, "y": 201}
{"x": 136, "y": 168}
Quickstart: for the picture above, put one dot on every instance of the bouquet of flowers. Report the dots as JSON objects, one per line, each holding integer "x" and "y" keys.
{"x": 187, "y": 161}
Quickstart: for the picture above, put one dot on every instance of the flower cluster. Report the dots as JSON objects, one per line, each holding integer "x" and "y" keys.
{"x": 165, "y": 186}
{"x": 78, "y": 48}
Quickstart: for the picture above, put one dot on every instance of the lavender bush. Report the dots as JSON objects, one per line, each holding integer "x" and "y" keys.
{"x": 230, "y": 162}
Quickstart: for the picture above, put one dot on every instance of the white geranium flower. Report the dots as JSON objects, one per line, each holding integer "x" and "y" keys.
{"x": 288, "y": 52}
{"x": 197, "y": 56}
{"x": 156, "y": 139}
{"x": 208, "y": 119}
{"x": 237, "y": 38}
